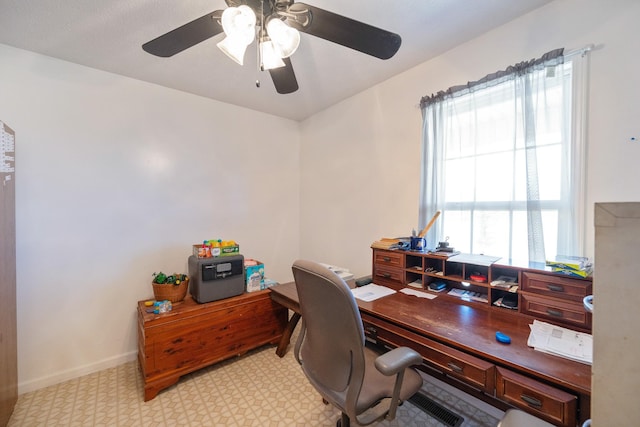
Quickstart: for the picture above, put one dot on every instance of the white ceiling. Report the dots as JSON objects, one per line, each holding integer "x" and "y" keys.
{"x": 108, "y": 34}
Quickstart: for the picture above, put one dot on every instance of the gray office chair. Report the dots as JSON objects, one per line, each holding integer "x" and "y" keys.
{"x": 331, "y": 349}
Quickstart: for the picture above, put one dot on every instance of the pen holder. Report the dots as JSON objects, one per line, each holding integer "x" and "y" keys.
{"x": 418, "y": 244}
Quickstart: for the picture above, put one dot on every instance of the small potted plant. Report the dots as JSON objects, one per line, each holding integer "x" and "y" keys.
{"x": 171, "y": 288}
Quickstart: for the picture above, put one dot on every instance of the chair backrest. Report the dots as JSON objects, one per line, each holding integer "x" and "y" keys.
{"x": 331, "y": 345}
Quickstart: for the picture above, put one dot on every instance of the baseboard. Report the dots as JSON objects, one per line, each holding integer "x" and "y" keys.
{"x": 62, "y": 376}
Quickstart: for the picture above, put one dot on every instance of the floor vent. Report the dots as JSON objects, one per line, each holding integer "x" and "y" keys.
{"x": 436, "y": 410}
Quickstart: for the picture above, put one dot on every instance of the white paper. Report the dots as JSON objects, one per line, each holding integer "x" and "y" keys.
{"x": 371, "y": 292}
{"x": 342, "y": 272}
{"x": 560, "y": 341}
{"x": 418, "y": 294}
{"x": 474, "y": 259}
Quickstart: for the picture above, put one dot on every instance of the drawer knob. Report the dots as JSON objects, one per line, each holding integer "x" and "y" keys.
{"x": 454, "y": 367}
{"x": 554, "y": 313}
{"x": 555, "y": 288}
{"x": 386, "y": 275}
{"x": 531, "y": 401}
{"x": 386, "y": 259}
{"x": 371, "y": 333}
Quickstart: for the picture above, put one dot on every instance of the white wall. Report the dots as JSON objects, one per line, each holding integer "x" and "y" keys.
{"x": 117, "y": 177}
{"x": 360, "y": 159}
{"x": 115, "y": 180}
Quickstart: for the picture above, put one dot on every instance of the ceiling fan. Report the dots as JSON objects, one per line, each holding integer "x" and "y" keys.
{"x": 245, "y": 20}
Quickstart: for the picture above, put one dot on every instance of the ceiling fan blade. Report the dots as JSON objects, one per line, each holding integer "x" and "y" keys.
{"x": 190, "y": 34}
{"x": 284, "y": 79}
{"x": 344, "y": 31}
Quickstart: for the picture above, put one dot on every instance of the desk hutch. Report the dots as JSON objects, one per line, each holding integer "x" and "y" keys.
{"x": 456, "y": 334}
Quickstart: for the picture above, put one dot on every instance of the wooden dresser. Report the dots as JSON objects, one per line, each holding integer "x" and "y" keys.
{"x": 194, "y": 335}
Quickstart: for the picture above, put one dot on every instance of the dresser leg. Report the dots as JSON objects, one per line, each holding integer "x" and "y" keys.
{"x": 152, "y": 388}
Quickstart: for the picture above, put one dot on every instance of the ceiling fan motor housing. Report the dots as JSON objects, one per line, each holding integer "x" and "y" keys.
{"x": 262, "y": 7}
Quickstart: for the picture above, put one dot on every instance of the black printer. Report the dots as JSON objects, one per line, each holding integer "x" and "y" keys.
{"x": 216, "y": 278}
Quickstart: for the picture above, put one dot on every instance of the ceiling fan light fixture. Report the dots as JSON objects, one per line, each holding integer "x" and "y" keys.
{"x": 270, "y": 58}
{"x": 239, "y": 22}
{"x": 285, "y": 38}
{"x": 234, "y": 48}
{"x": 239, "y": 25}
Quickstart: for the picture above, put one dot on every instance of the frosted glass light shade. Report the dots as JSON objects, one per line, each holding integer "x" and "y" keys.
{"x": 234, "y": 48}
{"x": 239, "y": 22}
{"x": 285, "y": 39}
{"x": 239, "y": 25}
{"x": 270, "y": 58}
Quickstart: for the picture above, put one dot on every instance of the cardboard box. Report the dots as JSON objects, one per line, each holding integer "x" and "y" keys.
{"x": 229, "y": 250}
{"x": 205, "y": 252}
{"x": 254, "y": 275}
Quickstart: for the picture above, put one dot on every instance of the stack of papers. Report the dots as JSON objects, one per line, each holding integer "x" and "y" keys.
{"x": 485, "y": 260}
{"x": 560, "y": 341}
{"x": 418, "y": 294}
{"x": 386, "y": 243}
{"x": 470, "y": 295}
{"x": 342, "y": 272}
{"x": 574, "y": 266}
{"x": 371, "y": 292}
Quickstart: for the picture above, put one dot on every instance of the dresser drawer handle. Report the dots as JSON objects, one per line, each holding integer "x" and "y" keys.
{"x": 454, "y": 367}
{"x": 386, "y": 275}
{"x": 555, "y": 313}
{"x": 531, "y": 401}
{"x": 386, "y": 259}
{"x": 555, "y": 288}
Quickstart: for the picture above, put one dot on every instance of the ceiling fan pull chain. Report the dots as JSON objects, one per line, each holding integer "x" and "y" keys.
{"x": 258, "y": 53}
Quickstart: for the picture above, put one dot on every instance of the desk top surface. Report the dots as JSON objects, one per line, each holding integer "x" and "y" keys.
{"x": 469, "y": 328}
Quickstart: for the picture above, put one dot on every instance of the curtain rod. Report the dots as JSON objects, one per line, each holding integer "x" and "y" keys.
{"x": 581, "y": 51}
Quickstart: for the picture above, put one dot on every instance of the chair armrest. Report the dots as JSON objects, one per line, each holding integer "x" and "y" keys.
{"x": 396, "y": 360}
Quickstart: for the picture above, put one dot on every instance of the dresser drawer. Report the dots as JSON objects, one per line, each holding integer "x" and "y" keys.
{"x": 546, "y": 402}
{"x": 386, "y": 274}
{"x": 388, "y": 258}
{"x": 556, "y": 286}
{"x": 570, "y": 313}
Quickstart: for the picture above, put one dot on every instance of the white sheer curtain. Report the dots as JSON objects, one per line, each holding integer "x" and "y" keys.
{"x": 503, "y": 160}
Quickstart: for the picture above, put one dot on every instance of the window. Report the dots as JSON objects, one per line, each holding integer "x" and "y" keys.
{"x": 502, "y": 160}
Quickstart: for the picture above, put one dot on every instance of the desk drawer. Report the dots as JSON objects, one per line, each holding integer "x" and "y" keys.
{"x": 387, "y": 274}
{"x": 469, "y": 369}
{"x": 388, "y": 258}
{"x": 570, "y": 313}
{"x": 476, "y": 372}
{"x": 556, "y": 286}
{"x": 546, "y": 402}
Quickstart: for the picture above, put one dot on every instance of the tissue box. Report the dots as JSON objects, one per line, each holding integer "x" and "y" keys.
{"x": 267, "y": 283}
{"x": 254, "y": 274}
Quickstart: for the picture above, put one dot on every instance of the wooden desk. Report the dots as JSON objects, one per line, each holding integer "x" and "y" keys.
{"x": 458, "y": 341}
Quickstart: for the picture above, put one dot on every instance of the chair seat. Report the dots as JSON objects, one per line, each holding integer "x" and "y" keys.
{"x": 377, "y": 386}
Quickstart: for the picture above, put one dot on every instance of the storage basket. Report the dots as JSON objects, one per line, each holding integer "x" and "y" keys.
{"x": 173, "y": 293}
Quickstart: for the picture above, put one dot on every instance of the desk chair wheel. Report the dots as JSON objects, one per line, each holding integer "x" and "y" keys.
{"x": 343, "y": 421}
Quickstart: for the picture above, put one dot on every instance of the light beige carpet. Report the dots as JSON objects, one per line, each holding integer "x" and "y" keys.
{"x": 257, "y": 389}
